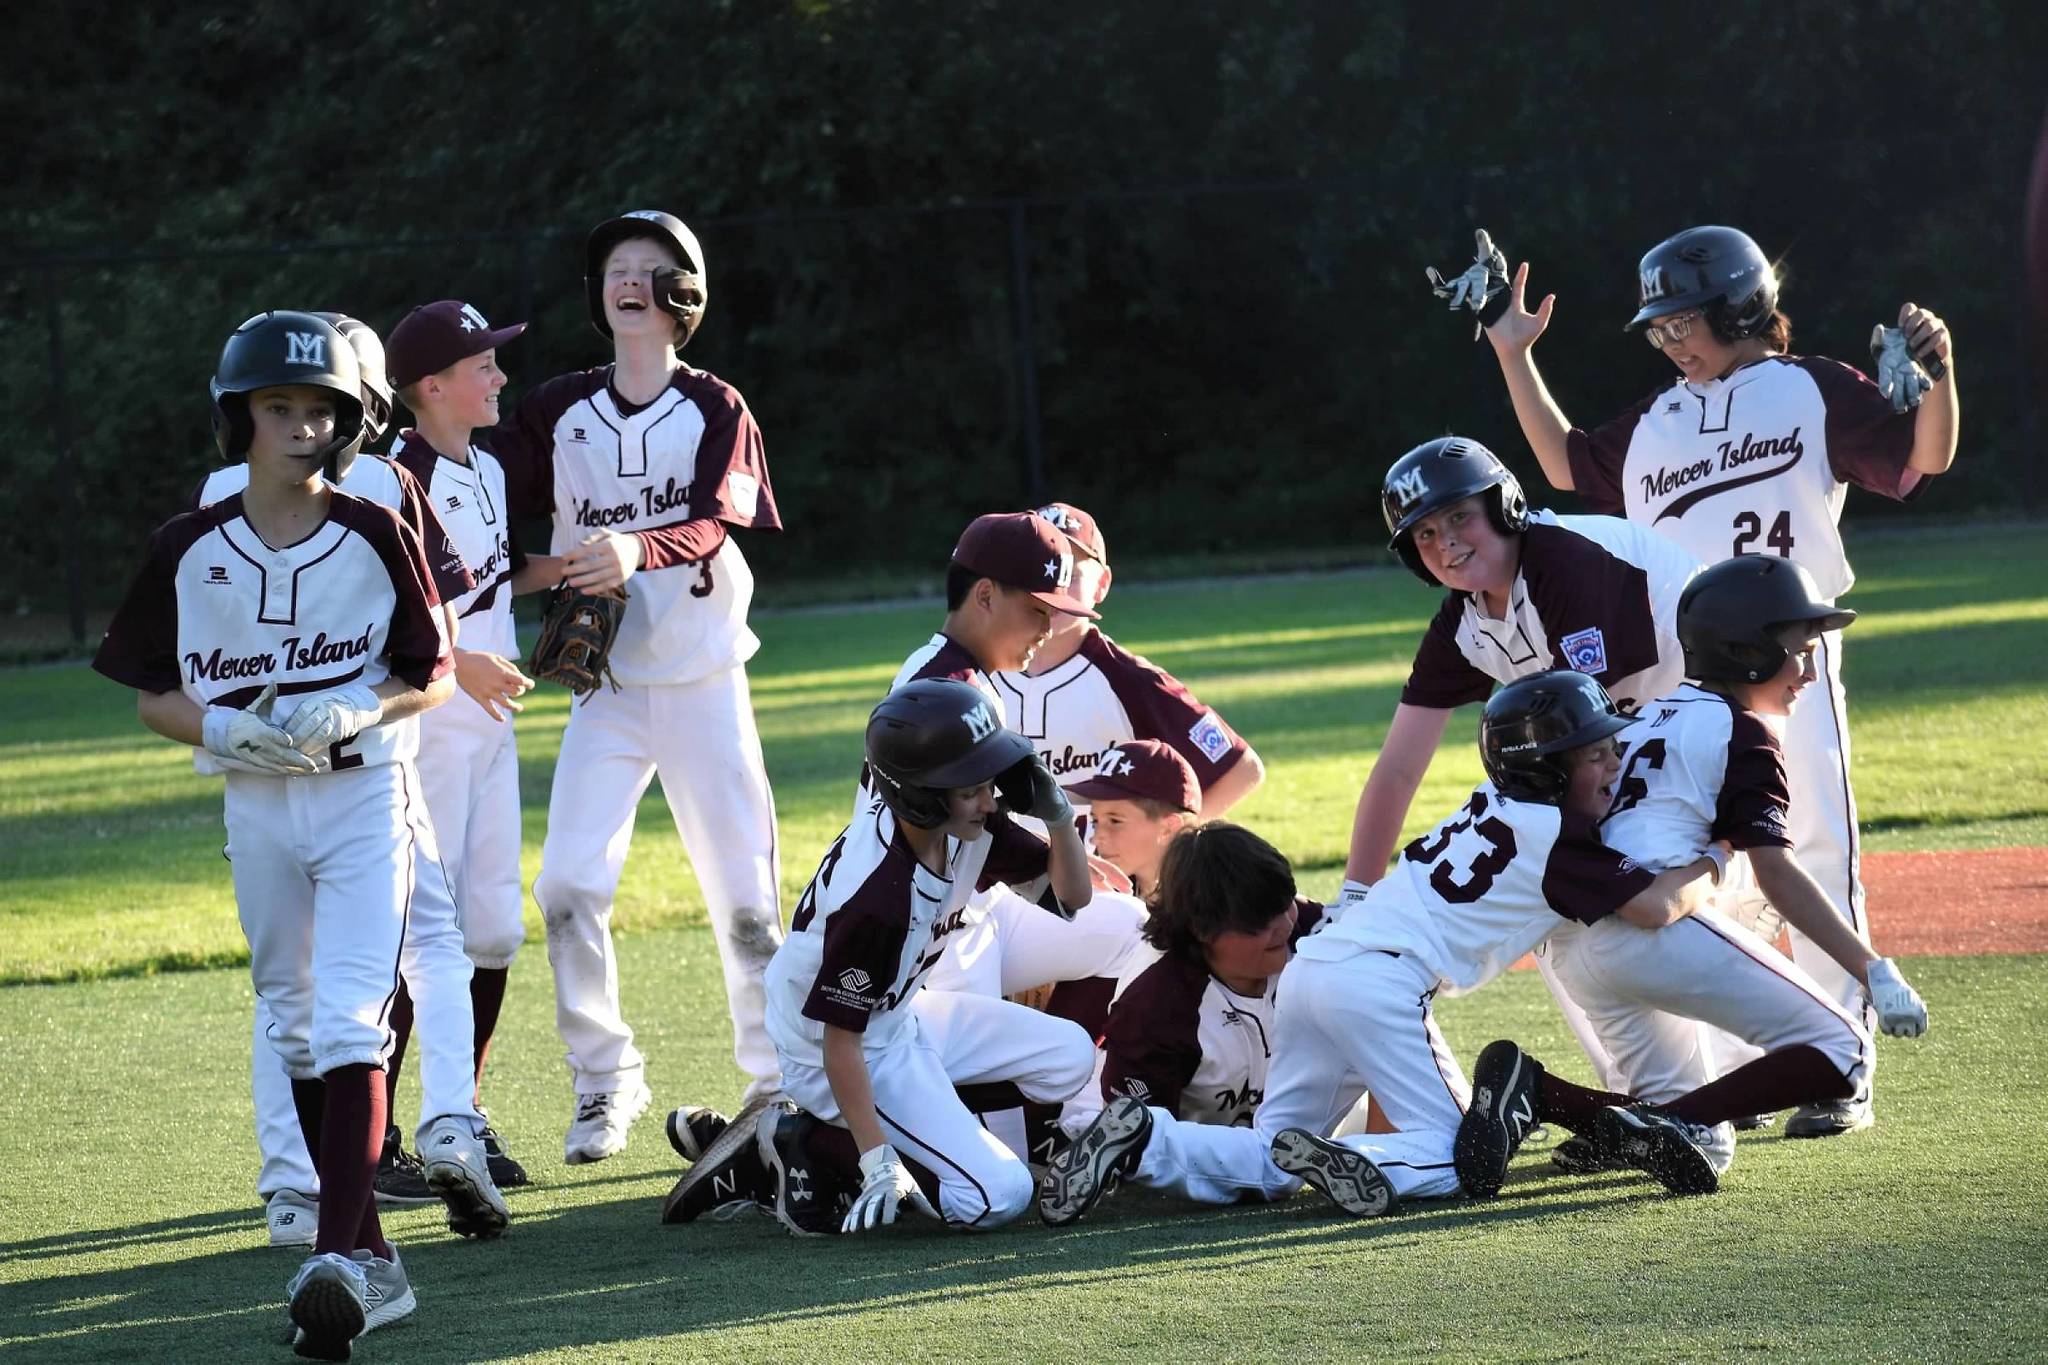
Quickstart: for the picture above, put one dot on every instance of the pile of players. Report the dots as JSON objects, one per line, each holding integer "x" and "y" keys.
{"x": 1035, "y": 943}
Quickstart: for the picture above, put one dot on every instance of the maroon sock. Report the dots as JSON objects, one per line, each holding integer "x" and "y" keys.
{"x": 1086, "y": 1002}
{"x": 1576, "y": 1107}
{"x": 401, "y": 1033}
{"x": 351, "y": 1137}
{"x": 1777, "y": 1080}
{"x": 310, "y": 1099}
{"x": 486, "y": 1000}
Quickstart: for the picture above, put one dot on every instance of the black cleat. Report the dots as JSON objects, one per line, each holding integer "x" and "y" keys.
{"x": 1095, "y": 1162}
{"x": 1581, "y": 1155}
{"x": 693, "y": 1129}
{"x": 1505, "y": 1099}
{"x": 797, "y": 1192}
{"x": 506, "y": 1173}
{"x": 1667, "y": 1148}
{"x": 1344, "y": 1177}
{"x": 401, "y": 1176}
{"x": 727, "y": 1179}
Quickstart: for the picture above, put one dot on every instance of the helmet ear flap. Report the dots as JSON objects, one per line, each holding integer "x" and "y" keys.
{"x": 232, "y": 430}
{"x": 1508, "y": 507}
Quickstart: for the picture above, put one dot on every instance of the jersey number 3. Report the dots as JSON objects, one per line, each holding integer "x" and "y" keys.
{"x": 1749, "y": 528}
{"x": 1479, "y": 874}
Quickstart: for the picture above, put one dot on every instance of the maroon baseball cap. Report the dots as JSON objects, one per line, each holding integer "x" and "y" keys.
{"x": 1142, "y": 768}
{"x": 434, "y": 336}
{"x": 1079, "y": 528}
{"x": 1020, "y": 550}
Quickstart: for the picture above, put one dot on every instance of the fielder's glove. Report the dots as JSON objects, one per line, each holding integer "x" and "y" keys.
{"x": 1901, "y": 1012}
{"x": 1030, "y": 789}
{"x": 576, "y": 635}
{"x": 330, "y": 717}
{"x": 1482, "y": 287}
{"x": 885, "y": 1183}
{"x": 1899, "y": 376}
{"x": 248, "y": 740}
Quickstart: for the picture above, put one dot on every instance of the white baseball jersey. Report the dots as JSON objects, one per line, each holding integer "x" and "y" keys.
{"x": 1597, "y": 594}
{"x": 1696, "y": 767}
{"x": 1105, "y": 695}
{"x": 1484, "y": 887}
{"x": 219, "y": 615}
{"x": 676, "y": 473}
{"x": 469, "y": 499}
{"x": 1758, "y": 462}
{"x": 871, "y": 924}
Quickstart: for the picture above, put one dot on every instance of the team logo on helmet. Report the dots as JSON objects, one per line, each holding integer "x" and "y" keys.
{"x": 1408, "y": 490}
{"x": 305, "y": 348}
{"x": 1585, "y": 650}
{"x": 1060, "y": 517}
{"x": 981, "y": 722}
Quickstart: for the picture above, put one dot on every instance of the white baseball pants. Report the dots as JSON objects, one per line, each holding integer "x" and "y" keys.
{"x": 469, "y": 765}
{"x": 1009, "y": 944}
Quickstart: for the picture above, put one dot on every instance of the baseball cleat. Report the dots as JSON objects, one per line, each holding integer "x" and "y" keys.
{"x": 506, "y": 1173}
{"x": 1503, "y": 1110}
{"x": 796, "y": 1189}
{"x": 1581, "y": 1155}
{"x": 293, "y": 1219}
{"x": 460, "y": 1176}
{"x": 387, "y": 1292}
{"x": 1667, "y": 1148}
{"x": 1105, "y": 1153}
{"x": 327, "y": 1306}
{"x": 401, "y": 1178}
{"x": 727, "y": 1179}
{"x": 1755, "y": 1123}
{"x": 1830, "y": 1120}
{"x": 602, "y": 1118}
{"x": 693, "y": 1129}
{"x": 1344, "y": 1177}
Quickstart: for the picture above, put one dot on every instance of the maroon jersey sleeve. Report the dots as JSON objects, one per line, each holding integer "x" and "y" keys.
{"x": 525, "y": 446}
{"x": 1441, "y": 676}
{"x": 730, "y": 483}
{"x": 1308, "y": 915}
{"x": 1868, "y": 444}
{"x": 414, "y": 647}
{"x": 1594, "y": 604}
{"x": 1597, "y": 457}
{"x": 863, "y": 948}
{"x": 1161, "y": 707}
{"x": 1152, "y": 1047}
{"x": 450, "y": 576}
{"x": 1755, "y": 800}
{"x": 1585, "y": 880}
{"x": 1016, "y": 855}
{"x": 686, "y": 542}
{"x": 140, "y": 648}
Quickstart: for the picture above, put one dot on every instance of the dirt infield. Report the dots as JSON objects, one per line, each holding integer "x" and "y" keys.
{"x": 1992, "y": 900}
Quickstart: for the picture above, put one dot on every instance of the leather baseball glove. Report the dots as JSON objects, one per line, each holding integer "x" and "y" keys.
{"x": 576, "y": 635}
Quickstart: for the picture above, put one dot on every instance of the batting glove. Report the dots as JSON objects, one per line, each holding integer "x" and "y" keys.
{"x": 1901, "y": 1012}
{"x": 885, "y": 1183}
{"x": 1479, "y": 286}
{"x": 1031, "y": 789}
{"x": 247, "y": 740}
{"x": 1350, "y": 894}
{"x": 331, "y": 717}
{"x": 1899, "y": 376}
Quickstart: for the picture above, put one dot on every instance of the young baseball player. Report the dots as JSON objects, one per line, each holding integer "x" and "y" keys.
{"x": 1141, "y": 795}
{"x": 874, "y": 1062}
{"x": 647, "y": 465}
{"x": 1082, "y": 691}
{"x": 282, "y": 631}
{"x": 1355, "y": 1005}
{"x": 1704, "y": 763}
{"x": 1751, "y": 448}
{"x": 457, "y": 1170}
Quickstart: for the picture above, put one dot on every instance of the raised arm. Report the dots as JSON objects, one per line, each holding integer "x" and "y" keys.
{"x": 1544, "y": 425}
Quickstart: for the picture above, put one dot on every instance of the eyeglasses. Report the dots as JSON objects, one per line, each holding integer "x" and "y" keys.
{"x": 1662, "y": 334}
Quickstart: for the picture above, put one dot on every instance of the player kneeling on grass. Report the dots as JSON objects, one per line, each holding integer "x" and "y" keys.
{"x": 1190, "y": 1030}
{"x": 282, "y": 630}
{"x": 1704, "y": 763}
{"x": 875, "y": 1063}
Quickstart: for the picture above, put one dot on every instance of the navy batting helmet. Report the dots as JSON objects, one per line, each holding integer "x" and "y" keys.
{"x": 1532, "y": 725}
{"x": 1438, "y": 473}
{"x": 377, "y": 390}
{"x": 1730, "y": 614}
{"x": 1718, "y": 270}
{"x": 681, "y": 293}
{"x": 278, "y": 348}
{"x": 933, "y": 735}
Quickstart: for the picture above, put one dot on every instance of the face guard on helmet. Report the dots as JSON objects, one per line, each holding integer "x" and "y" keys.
{"x": 272, "y": 350}
{"x": 1718, "y": 270}
{"x": 934, "y": 735}
{"x": 681, "y": 293}
{"x": 1531, "y": 726}
{"x": 377, "y": 390}
{"x": 1438, "y": 473}
{"x": 1730, "y": 615}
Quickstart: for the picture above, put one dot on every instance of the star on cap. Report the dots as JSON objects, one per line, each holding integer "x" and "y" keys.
{"x": 469, "y": 324}
{"x": 1123, "y": 769}
{"x": 1052, "y": 570}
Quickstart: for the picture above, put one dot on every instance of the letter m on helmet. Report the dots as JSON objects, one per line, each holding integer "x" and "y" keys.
{"x": 305, "y": 348}
{"x": 981, "y": 723}
{"x": 1408, "y": 489}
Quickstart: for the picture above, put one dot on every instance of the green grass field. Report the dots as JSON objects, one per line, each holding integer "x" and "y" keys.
{"x": 129, "y": 1229}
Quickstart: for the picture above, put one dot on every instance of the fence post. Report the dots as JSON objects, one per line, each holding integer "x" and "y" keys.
{"x": 67, "y": 483}
{"x": 1026, "y": 356}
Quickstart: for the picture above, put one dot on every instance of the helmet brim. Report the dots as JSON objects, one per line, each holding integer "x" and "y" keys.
{"x": 985, "y": 762}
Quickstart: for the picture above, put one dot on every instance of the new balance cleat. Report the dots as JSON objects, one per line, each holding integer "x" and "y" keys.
{"x": 1346, "y": 1178}
{"x": 1106, "y": 1153}
{"x": 1505, "y": 1099}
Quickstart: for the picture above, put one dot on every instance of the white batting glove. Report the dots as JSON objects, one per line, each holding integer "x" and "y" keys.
{"x": 1478, "y": 284}
{"x": 330, "y": 717}
{"x": 1901, "y": 1013}
{"x": 885, "y": 1183}
{"x": 1899, "y": 376}
{"x": 248, "y": 740}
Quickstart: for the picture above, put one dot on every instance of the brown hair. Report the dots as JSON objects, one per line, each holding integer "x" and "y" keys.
{"x": 1215, "y": 878}
{"x": 1776, "y": 333}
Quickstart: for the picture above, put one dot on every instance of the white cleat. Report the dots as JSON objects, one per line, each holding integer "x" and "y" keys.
{"x": 599, "y": 1128}
{"x": 458, "y": 1172}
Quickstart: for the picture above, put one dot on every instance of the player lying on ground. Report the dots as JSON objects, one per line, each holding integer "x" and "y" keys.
{"x": 1703, "y": 764}
{"x": 283, "y": 630}
{"x": 874, "y": 1062}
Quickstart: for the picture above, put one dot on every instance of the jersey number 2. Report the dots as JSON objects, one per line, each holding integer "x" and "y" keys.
{"x": 1491, "y": 862}
{"x": 1749, "y": 528}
